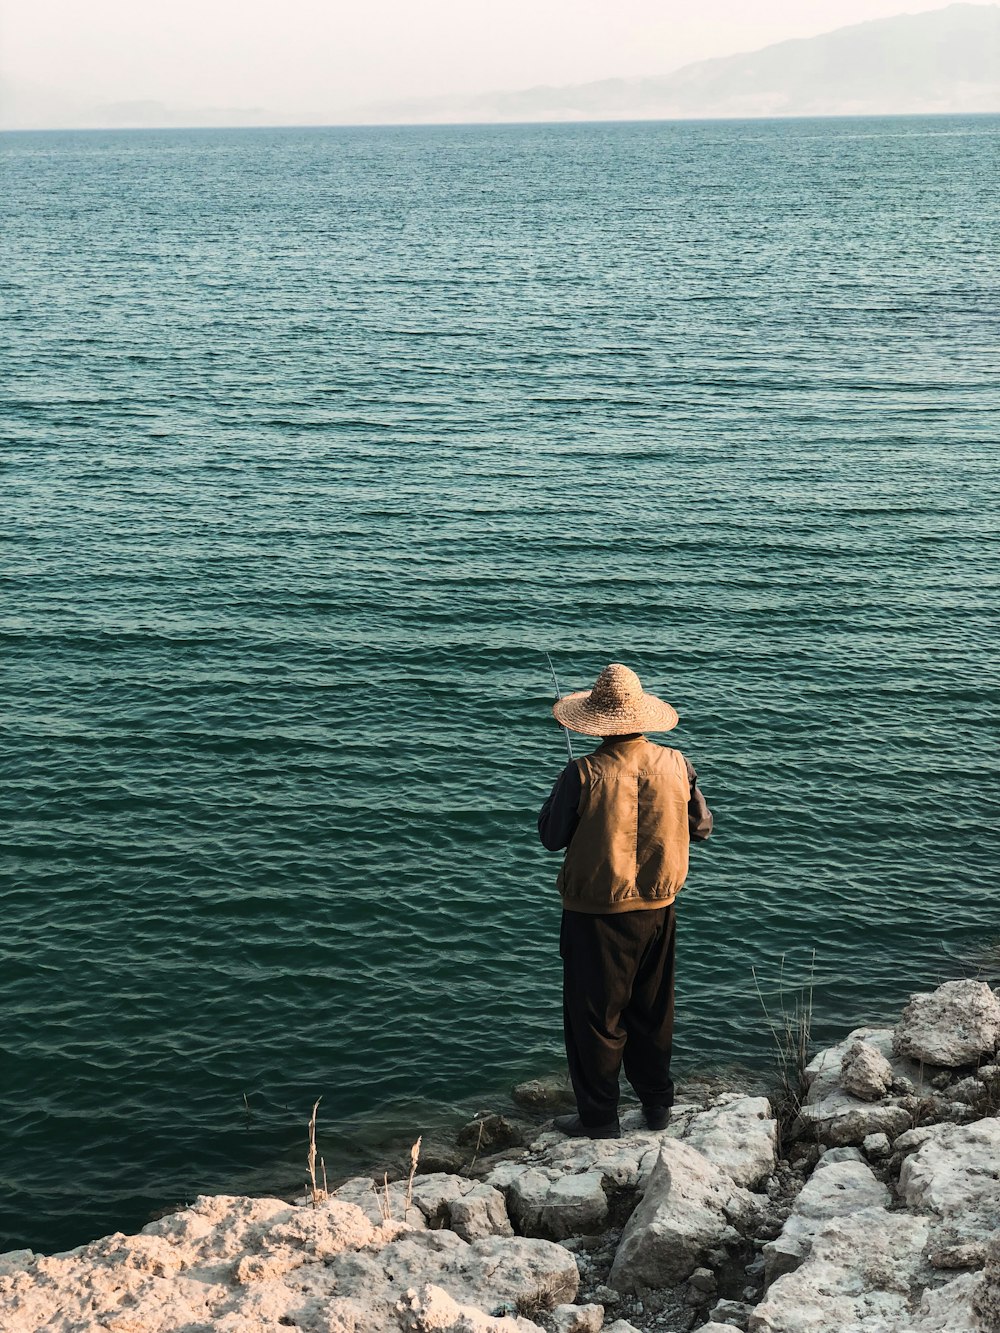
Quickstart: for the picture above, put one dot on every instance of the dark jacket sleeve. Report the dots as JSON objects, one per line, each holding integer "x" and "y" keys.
{"x": 699, "y": 815}
{"x": 558, "y": 817}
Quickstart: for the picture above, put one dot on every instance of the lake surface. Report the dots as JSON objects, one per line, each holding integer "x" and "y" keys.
{"x": 318, "y": 441}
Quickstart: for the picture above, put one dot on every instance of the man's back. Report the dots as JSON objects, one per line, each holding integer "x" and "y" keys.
{"x": 630, "y": 848}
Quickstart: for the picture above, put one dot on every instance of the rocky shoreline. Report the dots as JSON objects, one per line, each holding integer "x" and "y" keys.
{"x": 873, "y": 1208}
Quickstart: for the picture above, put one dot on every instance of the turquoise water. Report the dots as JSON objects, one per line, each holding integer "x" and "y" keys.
{"x": 318, "y": 441}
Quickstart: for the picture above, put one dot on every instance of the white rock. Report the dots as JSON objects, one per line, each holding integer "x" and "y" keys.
{"x": 956, "y": 1176}
{"x": 839, "y": 1122}
{"x": 471, "y": 1209}
{"x": 241, "y": 1265}
{"x": 577, "y": 1318}
{"x": 986, "y": 1295}
{"x": 544, "y": 1202}
{"x": 377, "y": 1202}
{"x": 823, "y": 1072}
{"x": 836, "y": 1116}
{"x": 877, "y": 1145}
{"x": 713, "y": 1326}
{"x": 865, "y": 1072}
{"x": 731, "y": 1314}
{"x": 858, "y": 1276}
{"x": 620, "y": 1326}
{"x": 687, "y": 1210}
{"x": 15, "y": 1261}
{"x": 738, "y": 1134}
{"x": 837, "y": 1190}
{"x": 951, "y": 1026}
{"x": 949, "y": 1309}
{"x": 831, "y": 1155}
{"x": 915, "y": 1138}
{"x": 432, "y": 1310}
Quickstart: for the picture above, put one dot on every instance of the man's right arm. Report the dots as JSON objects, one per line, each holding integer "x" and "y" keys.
{"x": 558, "y": 817}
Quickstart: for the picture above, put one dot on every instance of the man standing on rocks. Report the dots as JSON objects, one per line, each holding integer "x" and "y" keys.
{"x": 625, "y": 814}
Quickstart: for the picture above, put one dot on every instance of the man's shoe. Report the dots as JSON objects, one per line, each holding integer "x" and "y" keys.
{"x": 576, "y": 1129}
{"x": 657, "y": 1117}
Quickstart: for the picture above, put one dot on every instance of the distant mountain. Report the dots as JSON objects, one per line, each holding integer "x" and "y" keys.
{"x": 947, "y": 60}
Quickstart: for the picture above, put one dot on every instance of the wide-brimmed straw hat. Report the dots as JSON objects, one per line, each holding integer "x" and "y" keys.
{"x": 615, "y": 706}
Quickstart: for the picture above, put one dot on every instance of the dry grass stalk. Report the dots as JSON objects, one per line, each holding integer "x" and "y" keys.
{"x": 479, "y": 1143}
{"x": 315, "y": 1193}
{"x": 414, "y": 1158}
{"x": 384, "y": 1199}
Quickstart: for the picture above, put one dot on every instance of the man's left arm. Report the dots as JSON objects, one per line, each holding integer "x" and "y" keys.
{"x": 699, "y": 816}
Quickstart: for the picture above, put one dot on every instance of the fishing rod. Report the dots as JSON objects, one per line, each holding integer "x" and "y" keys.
{"x": 555, "y": 682}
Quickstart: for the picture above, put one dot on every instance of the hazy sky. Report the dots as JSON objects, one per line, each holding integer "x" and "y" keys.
{"x": 310, "y": 56}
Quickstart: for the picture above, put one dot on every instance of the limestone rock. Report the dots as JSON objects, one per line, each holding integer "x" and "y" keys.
{"x": 620, "y": 1326}
{"x": 912, "y": 1139}
{"x": 730, "y": 1314}
{"x": 858, "y": 1275}
{"x": 544, "y": 1094}
{"x": 432, "y": 1310}
{"x": 836, "y": 1116}
{"x": 577, "y": 1318}
{"x": 545, "y": 1202}
{"x": 713, "y": 1326}
{"x": 378, "y": 1202}
{"x": 837, "y": 1189}
{"x": 686, "y": 1211}
{"x": 865, "y": 1072}
{"x": 954, "y": 1025}
{"x": 955, "y": 1175}
{"x": 489, "y": 1133}
{"x": 852, "y": 1124}
{"x": 986, "y": 1293}
{"x": 255, "y": 1264}
{"x": 877, "y": 1145}
{"x": 738, "y": 1134}
{"x": 949, "y": 1309}
{"x": 471, "y": 1209}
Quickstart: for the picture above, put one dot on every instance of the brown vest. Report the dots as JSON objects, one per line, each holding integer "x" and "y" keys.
{"x": 630, "y": 850}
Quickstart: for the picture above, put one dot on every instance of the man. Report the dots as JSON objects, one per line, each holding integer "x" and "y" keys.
{"x": 625, "y": 814}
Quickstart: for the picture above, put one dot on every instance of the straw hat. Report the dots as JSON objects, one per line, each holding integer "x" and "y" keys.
{"x": 615, "y": 706}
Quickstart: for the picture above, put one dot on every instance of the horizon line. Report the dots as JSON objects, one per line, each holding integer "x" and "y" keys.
{"x": 497, "y": 124}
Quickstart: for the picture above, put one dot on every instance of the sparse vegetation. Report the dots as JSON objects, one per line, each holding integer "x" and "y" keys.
{"x": 791, "y": 1028}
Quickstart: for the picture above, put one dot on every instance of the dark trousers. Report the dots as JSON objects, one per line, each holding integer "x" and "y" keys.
{"x": 618, "y": 1004}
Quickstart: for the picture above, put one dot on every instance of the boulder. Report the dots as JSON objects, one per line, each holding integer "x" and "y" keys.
{"x": 687, "y": 1210}
{"x": 949, "y": 1309}
{"x": 738, "y": 1134}
{"x": 955, "y": 1025}
{"x": 730, "y": 1314}
{"x": 986, "y": 1292}
{"x": 865, "y": 1072}
{"x": 544, "y": 1094}
{"x": 835, "y": 1189}
{"x": 851, "y": 1124}
{"x": 432, "y": 1310}
{"x": 955, "y": 1176}
{"x": 471, "y": 1209}
{"x": 489, "y": 1133}
{"x": 858, "y": 1275}
{"x": 257, "y": 1264}
{"x": 545, "y": 1202}
{"x": 837, "y": 1117}
{"x": 577, "y": 1319}
{"x": 379, "y": 1202}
